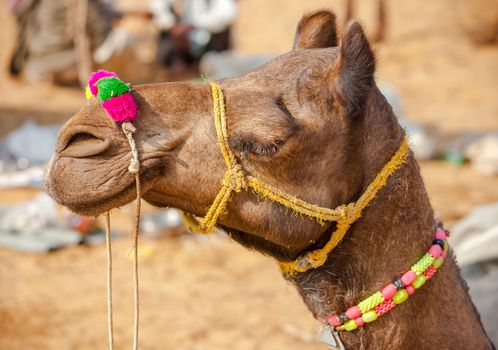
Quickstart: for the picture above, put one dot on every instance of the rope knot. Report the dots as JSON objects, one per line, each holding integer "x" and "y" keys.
{"x": 235, "y": 178}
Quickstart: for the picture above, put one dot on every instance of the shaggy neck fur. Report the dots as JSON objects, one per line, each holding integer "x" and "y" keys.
{"x": 394, "y": 231}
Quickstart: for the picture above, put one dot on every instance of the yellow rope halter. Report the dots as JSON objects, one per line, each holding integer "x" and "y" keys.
{"x": 235, "y": 180}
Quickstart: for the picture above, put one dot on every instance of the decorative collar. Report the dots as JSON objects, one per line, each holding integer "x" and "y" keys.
{"x": 397, "y": 292}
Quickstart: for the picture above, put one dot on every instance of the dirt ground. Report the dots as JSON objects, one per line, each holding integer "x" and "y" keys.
{"x": 209, "y": 293}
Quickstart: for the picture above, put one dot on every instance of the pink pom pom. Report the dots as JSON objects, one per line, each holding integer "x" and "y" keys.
{"x": 121, "y": 108}
{"x": 96, "y": 76}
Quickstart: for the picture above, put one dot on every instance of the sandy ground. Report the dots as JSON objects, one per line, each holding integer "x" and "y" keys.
{"x": 209, "y": 293}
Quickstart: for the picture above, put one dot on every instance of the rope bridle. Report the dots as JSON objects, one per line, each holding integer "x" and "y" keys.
{"x": 235, "y": 180}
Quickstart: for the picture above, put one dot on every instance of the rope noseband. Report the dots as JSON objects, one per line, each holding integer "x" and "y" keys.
{"x": 235, "y": 180}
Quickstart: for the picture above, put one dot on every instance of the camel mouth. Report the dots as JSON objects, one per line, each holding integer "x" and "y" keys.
{"x": 83, "y": 144}
{"x": 86, "y": 207}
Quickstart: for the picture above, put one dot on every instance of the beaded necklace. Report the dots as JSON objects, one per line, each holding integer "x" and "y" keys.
{"x": 397, "y": 292}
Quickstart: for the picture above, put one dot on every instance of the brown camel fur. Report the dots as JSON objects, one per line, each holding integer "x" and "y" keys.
{"x": 313, "y": 123}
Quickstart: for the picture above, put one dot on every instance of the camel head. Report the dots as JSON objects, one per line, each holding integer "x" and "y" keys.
{"x": 299, "y": 121}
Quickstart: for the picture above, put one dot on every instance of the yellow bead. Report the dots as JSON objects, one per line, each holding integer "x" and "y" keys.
{"x": 400, "y": 296}
{"x": 438, "y": 262}
{"x": 350, "y": 325}
{"x": 419, "y": 282}
{"x": 445, "y": 246}
{"x": 369, "y": 316}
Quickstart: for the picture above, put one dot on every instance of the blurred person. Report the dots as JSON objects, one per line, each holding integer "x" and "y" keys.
{"x": 190, "y": 28}
{"x": 45, "y": 47}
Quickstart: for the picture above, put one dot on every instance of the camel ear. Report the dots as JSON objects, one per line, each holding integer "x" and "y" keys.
{"x": 316, "y": 30}
{"x": 354, "y": 70}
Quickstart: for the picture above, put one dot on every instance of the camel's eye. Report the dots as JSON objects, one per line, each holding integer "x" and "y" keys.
{"x": 266, "y": 131}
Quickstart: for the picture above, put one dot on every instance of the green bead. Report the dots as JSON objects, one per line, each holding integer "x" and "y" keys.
{"x": 400, "y": 296}
{"x": 350, "y": 325}
{"x": 445, "y": 246}
{"x": 438, "y": 262}
{"x": 419, "y": 282}
{"x": 110, "y": 87}
{"x": 369, "y": 316}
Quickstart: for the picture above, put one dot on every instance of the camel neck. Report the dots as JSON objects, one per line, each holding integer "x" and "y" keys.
{"x": 394, "y": 231}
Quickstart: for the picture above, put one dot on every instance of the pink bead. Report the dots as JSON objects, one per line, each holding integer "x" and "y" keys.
{"x": 408, "y": 277}
{"x": 353, "y": 312}
{"x": 334, "y": 321}
{"x": 359, "y": 321}
{"x": 443, "y": 254}
{"x": 410, "y": 290}
{"x": 440, "y": 234}
{"x": 435, "y": 251}
{"x": 389, "y": 291}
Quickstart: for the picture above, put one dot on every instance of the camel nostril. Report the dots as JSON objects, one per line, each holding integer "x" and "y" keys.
{"x": 84, "y": 145}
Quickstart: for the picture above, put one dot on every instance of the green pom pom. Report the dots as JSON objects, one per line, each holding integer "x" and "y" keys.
{"x": 110, "y": 87}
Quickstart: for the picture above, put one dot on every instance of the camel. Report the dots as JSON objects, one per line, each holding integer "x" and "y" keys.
{"x": 311, "y": 122}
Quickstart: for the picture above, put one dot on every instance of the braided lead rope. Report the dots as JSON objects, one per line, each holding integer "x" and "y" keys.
{"x": 110, "y": 328}
{"x": 133, "y": 168}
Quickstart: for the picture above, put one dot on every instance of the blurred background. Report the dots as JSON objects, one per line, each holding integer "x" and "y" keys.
{"x": 437, "y": 65}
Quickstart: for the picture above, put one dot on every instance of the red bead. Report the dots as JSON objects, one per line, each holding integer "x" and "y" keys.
{"x": 440, "y": 234}
{"x": 334, "y": 321}
{"x": 353, "y": 312}
{"x": 389, "y": 291}
{"x": 359, "y": 321}
{"x": 410, "y": 290}
{"x": 408, "y": 277}
{"x": 443, "y": 254}
{"x": 435, "y": 251}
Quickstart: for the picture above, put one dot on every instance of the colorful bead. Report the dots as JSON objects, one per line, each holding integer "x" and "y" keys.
{"x": 443, "y": 254}
{"x": 360, "y": 322}
{"x": 398, "y": 283}
{"x": 439, "y": 242}
{"x": 370, "y": 302}
{"x": 340, "y": 328}
{"x": 369, "y": 316}
{"x": 440, "y": 234}
{"x": 429, "y": 272}
{"x": 384, "y": 307}
{"x": 353, "y": 312}
{"x": 400, "y": 296}
{"x": 343, "y": 317}
{"x": 445, "y": 246}
{"x": 419, "y": 282}
{"x": 351, "y": 325}
{"x": 410, "y": 290}
{"x": 435, "y": 251}
{"x": 388, "y": 291}
{"x": 334, "y": 320}
{"x": 408, "y": 277}
{"x": 438, "y": 262}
